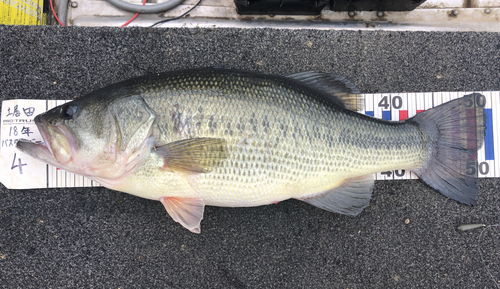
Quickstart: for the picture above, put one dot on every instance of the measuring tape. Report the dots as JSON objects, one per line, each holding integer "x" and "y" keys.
{"x": 20, "y": 171}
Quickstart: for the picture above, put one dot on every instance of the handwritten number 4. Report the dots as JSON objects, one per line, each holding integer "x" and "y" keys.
{"x": 19, "y": 165}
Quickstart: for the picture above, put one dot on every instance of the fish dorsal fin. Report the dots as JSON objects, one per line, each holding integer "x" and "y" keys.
{"x": 350, "y": 198}
{"x": 196, "y": 155}
{"x": 186, "y": 211}
{"x": 340, "y": 90}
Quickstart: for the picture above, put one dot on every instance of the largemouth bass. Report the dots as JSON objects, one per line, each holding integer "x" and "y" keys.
{"x": 223, "y": 137}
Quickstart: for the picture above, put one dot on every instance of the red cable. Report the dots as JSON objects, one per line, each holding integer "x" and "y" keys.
{"x": 128, "y": 22}
{"x": 54, "y": 13}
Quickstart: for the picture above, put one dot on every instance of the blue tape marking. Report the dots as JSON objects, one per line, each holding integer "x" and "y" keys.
{"x": 386, "y": 114}
{"x": 370, "y": 113}
{"x": 488, "y": 138}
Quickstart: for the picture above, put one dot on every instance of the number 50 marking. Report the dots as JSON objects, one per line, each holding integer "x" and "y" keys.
{"x": 470, "y": 168}
{"x": 475, "y": 98}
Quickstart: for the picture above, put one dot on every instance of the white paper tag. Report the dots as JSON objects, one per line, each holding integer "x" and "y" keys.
{"x": 20, "y": 171}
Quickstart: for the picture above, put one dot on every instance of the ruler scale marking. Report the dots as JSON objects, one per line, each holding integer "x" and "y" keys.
{"x": 389, "y": 106}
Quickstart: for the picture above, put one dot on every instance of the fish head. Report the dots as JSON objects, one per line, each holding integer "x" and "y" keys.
{"x": 102, "y": 138}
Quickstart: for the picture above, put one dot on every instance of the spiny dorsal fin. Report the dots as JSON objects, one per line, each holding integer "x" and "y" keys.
{"x": 340, "y": 90}
{"x": 197, "y": 155}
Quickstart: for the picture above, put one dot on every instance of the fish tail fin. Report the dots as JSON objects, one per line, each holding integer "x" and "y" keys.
{"x": 456, "y": 131}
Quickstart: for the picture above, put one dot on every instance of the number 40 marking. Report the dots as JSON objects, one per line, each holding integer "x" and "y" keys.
{"x": 397, "y": 102}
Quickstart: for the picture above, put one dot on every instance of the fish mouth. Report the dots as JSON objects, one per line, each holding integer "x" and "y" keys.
{"x": 55, "y": 150}
{"x": 38, "y": 151}
{"x": 43, "y": 132}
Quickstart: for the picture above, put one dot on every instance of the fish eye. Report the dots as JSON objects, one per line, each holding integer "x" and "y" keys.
{"x": 68, "y": 111}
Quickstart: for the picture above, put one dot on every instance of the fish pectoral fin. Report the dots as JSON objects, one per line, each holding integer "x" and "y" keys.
{"x": 340, "y": 90}
{"x": 186, "y": 211}
{"x": 196, "y": 155}
{"x": 350, "y": 198}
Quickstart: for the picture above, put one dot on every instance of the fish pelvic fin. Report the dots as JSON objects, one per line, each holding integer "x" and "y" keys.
{"x": 196, "y": 155}
{"x": 340, "y": 90}
{"x": 350, "y": 198}
{"x": 456, "y": 131}
{"x": 186, "y": 211}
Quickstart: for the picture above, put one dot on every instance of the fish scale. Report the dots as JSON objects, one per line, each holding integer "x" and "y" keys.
{"x": 232, "y": 138}
{"x": 268, "y": 163}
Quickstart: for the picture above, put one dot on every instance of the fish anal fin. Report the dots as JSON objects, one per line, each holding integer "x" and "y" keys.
{"x": 350, "y": 198}
{"x": 186, "y": 211}
{"x": 339, "y": 89}
{"x": 197, "y": 155}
